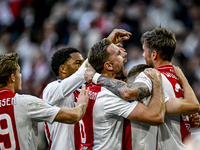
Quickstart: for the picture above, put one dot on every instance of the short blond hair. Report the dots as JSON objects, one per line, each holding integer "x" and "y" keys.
{"x": 8, "y": 66}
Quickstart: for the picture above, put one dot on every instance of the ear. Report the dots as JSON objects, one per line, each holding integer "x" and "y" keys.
{"x": 63, "y": 69}
{"x": 108, "y": 66}
{"x": 154, "y": 54}
{"x": 12, "y": 78}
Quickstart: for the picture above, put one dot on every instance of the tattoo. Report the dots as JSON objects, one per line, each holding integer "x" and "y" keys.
{"x": 124, "y": 90}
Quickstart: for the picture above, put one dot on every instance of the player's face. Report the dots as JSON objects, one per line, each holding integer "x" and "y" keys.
{"x": 74, "y": 63}
{"x": 117, "y": 59}
{"x": 147, "y": 56}
{"x": 18, "y": 80}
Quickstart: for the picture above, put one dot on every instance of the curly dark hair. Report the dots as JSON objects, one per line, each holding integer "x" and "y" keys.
{"x": 98, "y": 55}
{"x": 59, "y": 58}
{"x": 8, "y": 66}
{"x": 161, "y": 40}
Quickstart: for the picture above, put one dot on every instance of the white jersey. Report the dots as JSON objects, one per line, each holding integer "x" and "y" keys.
{"x": 102, "y": 125}
{"x": 19, "y": 115}
{"x": 170, "y": 134}
{"x": 137, "y": 135}
{"x": 176, "y": 127}
{"x": 60, "y": 93}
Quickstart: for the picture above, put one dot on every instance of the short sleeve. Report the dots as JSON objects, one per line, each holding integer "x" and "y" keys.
{"x": 118, "y": 106}
{"x": 142, "y": 77}
{"x": 39, "y": 110}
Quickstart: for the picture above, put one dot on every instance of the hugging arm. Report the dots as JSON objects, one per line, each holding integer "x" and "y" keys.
{"x": 153, "y": 113}
{"x": 73, "y": 115}
{"x": 124, "y": 90}
{"x": 189, "y": 104}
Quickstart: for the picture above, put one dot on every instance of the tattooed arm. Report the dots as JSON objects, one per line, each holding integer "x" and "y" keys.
{"x": 122, "y": 89}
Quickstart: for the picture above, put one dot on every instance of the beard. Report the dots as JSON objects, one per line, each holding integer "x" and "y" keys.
{"x": 149, "y": 63}
{"x": 121, "y": 74}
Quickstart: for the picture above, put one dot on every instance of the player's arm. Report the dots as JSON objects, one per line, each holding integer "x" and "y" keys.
{"x": 73, "y": 115}
{"x": 154, "y": 112}
{"x": 188, "y": 105}
{"x": 119, "y": 88}
{"x": 66, "y": 86}
{"x": 70, "y": 84}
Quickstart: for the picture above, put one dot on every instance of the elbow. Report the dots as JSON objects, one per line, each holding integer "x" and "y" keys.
{"x": 195, "y": 109}
{"x": 160, "y": 119}
{"x": 78, "y": 116}
{"x": 75, "y": 118}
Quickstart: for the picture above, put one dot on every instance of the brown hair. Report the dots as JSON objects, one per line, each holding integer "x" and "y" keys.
{"x": 162, "y": 41}
{"x": 98, "y": 55}
{"x": 8, "y": 66}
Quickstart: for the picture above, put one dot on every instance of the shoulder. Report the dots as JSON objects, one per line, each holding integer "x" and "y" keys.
{"x": 52, "y": 84}
{"x": 27, "y": 99}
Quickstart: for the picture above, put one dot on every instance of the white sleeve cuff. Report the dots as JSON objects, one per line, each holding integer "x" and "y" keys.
{"x": 95, "y": 78}
{"x": 166, "y": 99}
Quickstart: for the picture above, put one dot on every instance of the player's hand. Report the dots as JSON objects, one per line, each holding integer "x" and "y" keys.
{"x": 83, "y": 97}
{"x": 153, "y": 74}
{"x": 178, "y": 72}
{"x": 118, "y": 35}
{"x": 89, "y": 73}
{"x": 194, "y": 120}
{"x": 120, "y": 47}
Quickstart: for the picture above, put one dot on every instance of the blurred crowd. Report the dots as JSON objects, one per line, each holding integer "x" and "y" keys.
{"x": 35, "y": 29}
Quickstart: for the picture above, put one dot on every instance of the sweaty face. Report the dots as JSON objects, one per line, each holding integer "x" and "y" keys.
{"x": 18, "y": 79}
{"x": 147, "y": 56}
{"x": 73, "y": 63}
{"x": 117, "y": 59}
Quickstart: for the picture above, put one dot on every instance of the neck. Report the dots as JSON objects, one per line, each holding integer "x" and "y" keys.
{"x": 10, "y": 87}
{"x": 108, "y": 74}
{"x": 162, "y": 63}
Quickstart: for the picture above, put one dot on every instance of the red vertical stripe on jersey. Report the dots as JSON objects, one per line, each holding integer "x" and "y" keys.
{"x": 184, "y": 119}
{"x": 127, "y": 135}
{"x": 48, "y": 135}
{"x": 86, "y": 123}
{"x": 8, "y": 130}
{"x": 76, "y": 136}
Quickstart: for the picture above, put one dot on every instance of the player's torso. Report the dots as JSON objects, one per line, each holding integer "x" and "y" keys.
{"x": 58, "y": 133}
{"x": 175, "y": 127}
{"x": 96, "y": 126}
{"x": 16, "y": 125}
{"x": 139, "y": 136}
